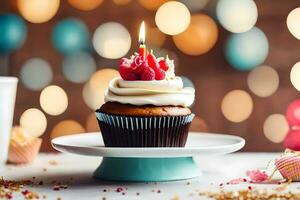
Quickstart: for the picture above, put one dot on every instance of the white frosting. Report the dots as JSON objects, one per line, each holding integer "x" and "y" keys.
{"x": 158, "y": 93}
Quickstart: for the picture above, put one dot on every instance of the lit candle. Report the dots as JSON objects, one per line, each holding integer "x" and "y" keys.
{"x": 142, "y": 50}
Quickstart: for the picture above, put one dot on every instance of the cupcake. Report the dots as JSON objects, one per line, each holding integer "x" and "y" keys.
{"x": 147, "y": 106}
{"x": 289, "y": 165}
{"x": 23, "y": 147}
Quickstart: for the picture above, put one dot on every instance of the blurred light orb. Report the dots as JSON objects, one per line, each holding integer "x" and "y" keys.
{"x": 36, "y": 73}
{"x": 237, "y": 106}
{"x": 85, "y": 5}
{"x": 263, "y": 81}
{"x": 172, "y": 18}
{"x": 93, "y": 91}
{"x": 53, "y": 100}
{"x": 121, "y": 2}
{"x": 111, "y": 40}
{"x": 155, "y": 37}
{"x": 199, "y": 37}
{"x": 187, "y": 82}
{"x": 34, "y": 121}
{"x": 78, "y": 67}
{"x": 38, "y": 11}
{"x": 295, "y": 76}
{"x": 245, "y": 51}
{"x": 292, "y": 140}
{"x": 276, "y": 128}
{"x": 66, "y": 127}
{"x": 195, "y": 5}
{"x": 153, "y": 4}
{"x": 13, "y": 33}
{"x": 92, "y": 123}
{"x": 293, "y": 113}
{"x": 70, "y": 35}
{"x": 237, "y": 16}
{"x": 292, "y": 22}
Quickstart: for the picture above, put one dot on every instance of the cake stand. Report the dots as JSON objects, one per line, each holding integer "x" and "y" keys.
{"x": 148, "y": 164}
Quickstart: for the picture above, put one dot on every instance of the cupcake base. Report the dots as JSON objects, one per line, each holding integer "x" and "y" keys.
{"x": 24, "y": 153}
{"x": 129, "y": 131}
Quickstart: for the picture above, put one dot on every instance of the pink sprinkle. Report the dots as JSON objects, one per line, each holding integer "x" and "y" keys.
{"x": 25, "y": 192}
{"x": 249, "y": 188}
{"x": 56, "y": 187}
{"x": 221, "y": 184}
{"x": 8, "y": 196}
{"x": 236, "y": 181}
{"x": 257, "y": 176}
{"x": 119, "y": 189}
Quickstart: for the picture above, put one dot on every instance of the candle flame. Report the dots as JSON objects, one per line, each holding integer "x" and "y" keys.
{"x": 142, "y": 34}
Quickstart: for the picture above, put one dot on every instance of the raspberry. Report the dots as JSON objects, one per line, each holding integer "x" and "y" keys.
{"x": 137, "y": 61}
{"x": 160, "y": 74}
{"x": 127, "y": 73}
{"x": 163, "y": 65}
{"x": 125, "y": 61}
{"x": 148, "y": 74}
{"x": 139, "y": 70}
{"x": 152, "y": 62}
{"x": 131, "y": 76}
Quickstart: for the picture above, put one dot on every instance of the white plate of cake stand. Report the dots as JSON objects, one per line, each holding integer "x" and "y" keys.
{"x": 148, "y": 164}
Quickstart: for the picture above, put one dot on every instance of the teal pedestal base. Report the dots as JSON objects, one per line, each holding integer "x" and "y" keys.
{"x": 147, "y": 169}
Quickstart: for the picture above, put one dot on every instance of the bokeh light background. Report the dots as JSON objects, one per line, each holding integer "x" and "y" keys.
{"x": 245, "y": 77}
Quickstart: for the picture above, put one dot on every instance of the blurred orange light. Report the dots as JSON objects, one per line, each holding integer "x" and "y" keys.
{"x": 85, "y": 4}
{"x": 121, "y": 2}
{"x": 38, "y": 11}
{"x": 276, "y": 128}
{"x": 237, "y": 105}
{"x": 152, "y": 4}
{"x": 92, "y": 123}
{"x": 53, "y": 100}
{"x": 34, "y": 122}
{"x": 199, "y": 37}
{"x": 93, "y": 91}
{"x": 66, "y": 127}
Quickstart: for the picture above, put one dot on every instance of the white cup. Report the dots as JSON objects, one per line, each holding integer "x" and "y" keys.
{"x": 8, "y": 89}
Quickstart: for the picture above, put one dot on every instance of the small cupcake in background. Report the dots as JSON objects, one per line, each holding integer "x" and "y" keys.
{"x": 23, "y": 147}
{"x": 289, "y": 165}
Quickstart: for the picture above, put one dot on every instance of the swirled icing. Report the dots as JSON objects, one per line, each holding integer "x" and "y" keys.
{"x": 158, "y": 93}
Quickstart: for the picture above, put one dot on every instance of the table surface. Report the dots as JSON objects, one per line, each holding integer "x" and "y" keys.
{"x": 76, "y": 172}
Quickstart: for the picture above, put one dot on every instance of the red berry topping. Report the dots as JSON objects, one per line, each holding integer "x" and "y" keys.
{"x": 139, "y": 69}
{"x": 152, "y": 62}
{"x": 127, "y": 72}
{"x": 163, "y": 65}
{"x": 160, "y": 74}
{"x": 137, "y": 61}
{"x": 148, "y": 74}
{"x": 131, "y": 76}
{"x": 125, "y": 61}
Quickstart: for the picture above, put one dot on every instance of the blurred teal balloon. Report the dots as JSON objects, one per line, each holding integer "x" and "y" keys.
{"x": 244, "y": 51}
{"x": 187, "y": 82}
{"x": 13, "y": 32}
{"x": 70, "y": 36}
{"x": 78, "y": 67}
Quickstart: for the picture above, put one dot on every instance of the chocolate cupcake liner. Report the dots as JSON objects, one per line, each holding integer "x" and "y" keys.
{"x": 130, "y": 131}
